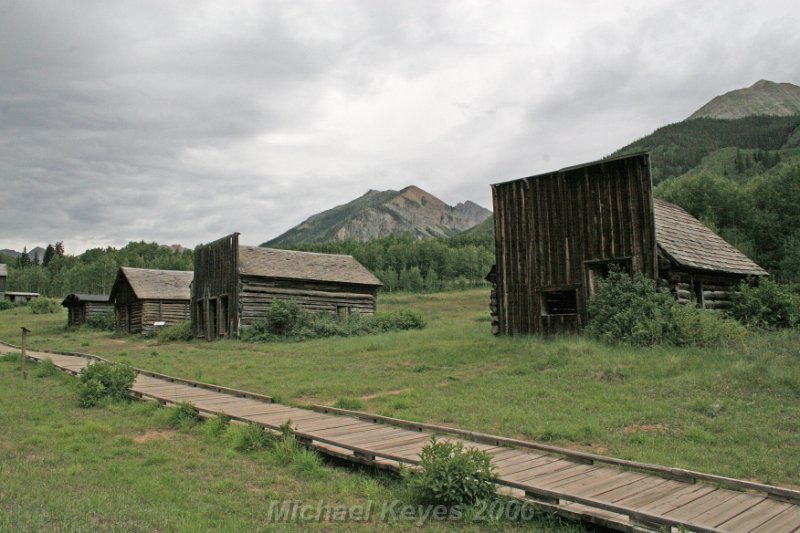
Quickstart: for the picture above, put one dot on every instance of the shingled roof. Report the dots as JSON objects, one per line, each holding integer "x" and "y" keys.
{"x": 77, "y": 297}
{"x": 685, "y": 240}
{"x": 150, "y": 284}
{"x": 289, "y": 264}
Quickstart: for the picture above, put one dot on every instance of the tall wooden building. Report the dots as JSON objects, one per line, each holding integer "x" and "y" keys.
{"x": 234, "y": 285}
{"x": 557, "y": 233}
{"x": 3, "y": 278}
{"x": 81, "y": 307}
{"x": 143, "y": 296}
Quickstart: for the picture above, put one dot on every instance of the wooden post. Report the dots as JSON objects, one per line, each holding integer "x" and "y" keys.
{"x": 22, "y": 354}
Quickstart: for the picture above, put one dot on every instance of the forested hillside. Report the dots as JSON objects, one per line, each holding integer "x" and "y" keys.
{"x": 678, "y": 148}
{"x": 94, "y": 270}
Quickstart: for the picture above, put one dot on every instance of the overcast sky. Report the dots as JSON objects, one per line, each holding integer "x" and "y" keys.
{"x": 180, "y": 122}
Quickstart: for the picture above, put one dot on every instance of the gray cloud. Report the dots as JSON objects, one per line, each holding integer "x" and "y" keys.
{"x": 182, "y": 121}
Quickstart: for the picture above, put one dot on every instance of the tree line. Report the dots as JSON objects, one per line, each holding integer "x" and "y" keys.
{"x": 91, "y": 272}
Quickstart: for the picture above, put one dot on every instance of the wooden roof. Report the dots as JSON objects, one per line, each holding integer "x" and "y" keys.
{"x": 77, "y": 297}
{"x": 151, "y": 284}
{"x": 308, "y": 266}
{"x": 688, "y": 242}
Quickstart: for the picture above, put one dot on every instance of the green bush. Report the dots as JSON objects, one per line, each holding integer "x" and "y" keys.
{"x": 5, "y": 304}
{"x": 101, "y": 380}
{"x": 44, "y": 306}
{"x": 768, "y": 305}
{"x": 630, "y": 310}
{"x": 182, "y": 331}
{"x": 287, "y": 320}
{"x": 103, "y": 321}
{"x": 450, "y": 475}
{"x": 183, "y": 416}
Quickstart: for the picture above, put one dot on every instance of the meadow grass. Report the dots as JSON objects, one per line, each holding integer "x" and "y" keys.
{"x": 729, "y": 410}
{"x": 131, "y": 467}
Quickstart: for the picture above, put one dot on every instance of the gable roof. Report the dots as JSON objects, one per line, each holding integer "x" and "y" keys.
{"x": 308, "y": 266}
{"x": 151, "y": 284}
{"x": 77, "y": 297}
{"x": 688, "y": 242}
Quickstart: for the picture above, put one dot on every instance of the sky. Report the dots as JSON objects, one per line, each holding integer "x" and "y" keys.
{"x": 181, "y": 122}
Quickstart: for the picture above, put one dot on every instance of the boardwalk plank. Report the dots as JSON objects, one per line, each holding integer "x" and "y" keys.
{"x": 755, "y": 516}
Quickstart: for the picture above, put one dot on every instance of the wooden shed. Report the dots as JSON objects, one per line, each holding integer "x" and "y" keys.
{"x": 3, "y": 279}
{"x": 556, "y": 234}
{"x": 143, "y": 296}
{"x": 81, "y": 307}
{"x": 234, "y": 285}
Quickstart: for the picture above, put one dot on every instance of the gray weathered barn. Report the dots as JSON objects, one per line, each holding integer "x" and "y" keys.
{"x": 81, "y": 307}
{"x": 143, "y": 296}
{"x": 557, "y": 233}
{"x": 3, "y": 279}
{"x": 234, "y": 285}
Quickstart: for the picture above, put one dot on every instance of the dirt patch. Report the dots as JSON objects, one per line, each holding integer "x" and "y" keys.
{"x": 645, "y": 428}
{"x": 395, "y": 392}
{"x": 154, "y": 434}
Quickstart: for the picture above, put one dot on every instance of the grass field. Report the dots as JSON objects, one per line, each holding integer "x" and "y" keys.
{"x": 124, "y": 468}
{"x": 730, "y": 410}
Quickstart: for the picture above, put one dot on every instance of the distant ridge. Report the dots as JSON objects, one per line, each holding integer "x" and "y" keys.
{"x": 381, "y": 213}
{"x": 762, "y": 98}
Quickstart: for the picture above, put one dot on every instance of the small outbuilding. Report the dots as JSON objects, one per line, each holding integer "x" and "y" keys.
{"x": 235, "y": 285}
{"x": 81, "y": 307}
{"x": 20, "y": 297}
{"x": 556, "y": 234}
{"x": 143, "y": 296}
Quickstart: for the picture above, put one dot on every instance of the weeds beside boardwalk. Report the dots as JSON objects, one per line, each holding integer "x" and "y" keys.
{"x": 727, "y": 410}
{"x": 139, "y": 467}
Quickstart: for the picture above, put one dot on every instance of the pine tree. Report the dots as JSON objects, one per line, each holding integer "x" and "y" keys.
{"x": 48, "y": 255}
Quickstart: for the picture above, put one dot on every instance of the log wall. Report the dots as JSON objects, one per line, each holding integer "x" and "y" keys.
{"x": 258, "y": 293}
{"x": 550, "y": 229}
{"x": 79, "y": 312}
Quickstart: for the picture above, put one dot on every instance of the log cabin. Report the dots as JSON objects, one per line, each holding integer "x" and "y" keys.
{"x": 143, "y": 296}
{"x": 81, "y": 307}
{"x": 557, "y": 233}
{"x": 234, "y": 285}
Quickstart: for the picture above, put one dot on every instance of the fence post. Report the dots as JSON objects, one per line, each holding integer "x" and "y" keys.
{"x": 22, "y": 354}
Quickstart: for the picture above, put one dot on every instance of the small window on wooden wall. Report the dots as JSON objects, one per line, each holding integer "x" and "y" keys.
{"x": 559, "y": 303}
{"x": 598, "y": 270}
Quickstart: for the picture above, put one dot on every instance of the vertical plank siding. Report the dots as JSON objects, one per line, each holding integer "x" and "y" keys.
{"x": 216, "y": 275}
{"x": 548, "y": 227}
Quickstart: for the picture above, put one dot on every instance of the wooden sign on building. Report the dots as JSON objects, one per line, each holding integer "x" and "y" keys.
{"x": 234, "y": 285}
{"x": 556, "y": 234}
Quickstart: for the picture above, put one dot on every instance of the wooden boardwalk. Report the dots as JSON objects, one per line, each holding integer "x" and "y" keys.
{"x": 620, "y": 494}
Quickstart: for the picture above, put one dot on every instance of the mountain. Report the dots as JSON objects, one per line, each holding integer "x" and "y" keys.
{"x": 37, "y": 252}
{"x": 381, "y": 213}
{"x": 762, "y": 98}
{"x": 677, "y": 148}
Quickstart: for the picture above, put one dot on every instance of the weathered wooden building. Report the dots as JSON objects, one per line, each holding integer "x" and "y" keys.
{"x": 234, "y": 285}
{"x": 3, "y": 279}
{"x": 557, "y": 233}
{"x": 81, "y": 307}
{"x": 143, "y": 296}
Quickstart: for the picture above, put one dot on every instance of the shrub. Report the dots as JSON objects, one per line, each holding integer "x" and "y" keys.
{"x": 103, "y": 380}
{"x": 46, "y": 369}
{"x": 103, "y": 321}
{"x": 450, "y": 475}
{"x": 766, "y": 306}
{"x": 250, "y": 438}
{"x": 630, "y": 310}
{"x": 182, "y": 331}
{"x": 287, "y": 320}
{"x": 402, "y": 319}
{"x": 5, "y": 304}
{"x": 44, "y": 306}
{"x": 183, "y": 416}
